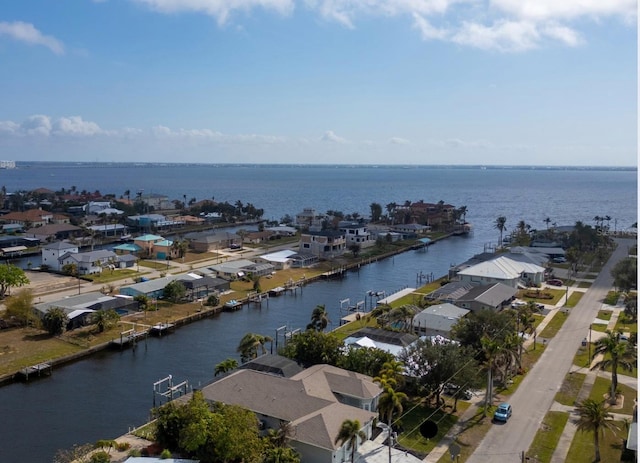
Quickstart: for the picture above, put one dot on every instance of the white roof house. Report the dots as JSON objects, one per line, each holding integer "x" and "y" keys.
{"x": 438, "y": 319}
{"x": 503, "y": 270}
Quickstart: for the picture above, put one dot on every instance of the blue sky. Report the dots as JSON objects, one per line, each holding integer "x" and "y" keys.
{"x": 519, "y": 82}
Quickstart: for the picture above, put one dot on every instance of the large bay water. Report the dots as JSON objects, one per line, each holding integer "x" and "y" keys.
{"x": 103, "y": 396}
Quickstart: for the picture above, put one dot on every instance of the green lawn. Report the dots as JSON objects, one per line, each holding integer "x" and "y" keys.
{"x": 585, "y": 284}
{"x": 601, "y": 387}
{"x": 547, "y": 437}
{"x": 599, "y": 327}
{"x": 570, "y": 388}
{"x": 582, "y": 356}
{"x": 612, "y": 297}
{"x": 554, "y": 325}
{"x": 411, "y": 438}
{"x": 574, "y": 298}
{"x": 611, "y": 444}
{"x": 625, "y": 324}
{"x": 605, "y": 314}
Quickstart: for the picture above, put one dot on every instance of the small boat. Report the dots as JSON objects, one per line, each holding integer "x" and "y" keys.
{"x": 126, "y": 237}
{"x": 232, "y": 305}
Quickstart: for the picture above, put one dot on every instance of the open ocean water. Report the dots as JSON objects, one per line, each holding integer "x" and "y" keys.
{"x": 565, "y": 195}
{"x": 101, "y": 397}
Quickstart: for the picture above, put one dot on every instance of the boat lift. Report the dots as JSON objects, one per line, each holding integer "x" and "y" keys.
{"x": 164, "y": 388}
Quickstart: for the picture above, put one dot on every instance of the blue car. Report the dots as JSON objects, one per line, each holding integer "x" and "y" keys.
{"x": 503, "y": 413}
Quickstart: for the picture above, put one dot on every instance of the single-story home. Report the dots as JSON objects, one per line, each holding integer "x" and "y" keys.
{"x": 208, "y": 241}
{"x": 492, "y": 297}
{"x": 238, "y": 269}
{"x": 503, "y": 270}
{"x": 80, "y": 308}
{"x": 437, "y": 320}
{"x": 393, "y": 342}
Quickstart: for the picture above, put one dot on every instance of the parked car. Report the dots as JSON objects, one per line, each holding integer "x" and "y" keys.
{"x": 503, "y": 412}
{"x": 555, "y": 282}
{"x": 516, "y": 304}
{"x": 453, "y": 390}
{"x": 559, "y": 260}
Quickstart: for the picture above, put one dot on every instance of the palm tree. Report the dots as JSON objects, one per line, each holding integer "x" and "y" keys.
{"x": 594, "y": 418}
{"x": 403, "y": 316}
{"x": 499, "y": 224}
{"x": 350, "y": 432}
{"x": 547, "y": 221}
{"x": 390, "y": 402}
{"x": 615, "y": 353}
{"x": 225, "y": 366}
{"x": 319, "y": 318}
{"x": 105, "y": 319}
{"x": 250, "y": 344}
{"x": 381, "y": 314}
{"x": 491, "y": 350}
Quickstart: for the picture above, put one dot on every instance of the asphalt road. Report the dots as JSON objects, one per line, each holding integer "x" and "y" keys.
{"x": 535, "y": 395}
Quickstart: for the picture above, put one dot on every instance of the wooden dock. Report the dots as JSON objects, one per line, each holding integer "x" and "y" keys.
{"x": 160, "y": 329}
{"x": 128, "y": 338}
{"x": 41, "y": 369}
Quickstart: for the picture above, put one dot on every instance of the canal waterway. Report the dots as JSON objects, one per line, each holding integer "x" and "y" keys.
{"x": 104, "y": 396}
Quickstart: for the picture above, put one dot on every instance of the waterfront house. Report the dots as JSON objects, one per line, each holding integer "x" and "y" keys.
{"x": 491, "y": 297}
{"x": 357, "y": 234}
{"x": 212, "y": 241}
{"x": 54, "y": 231}
{"x": 411, "y": 230}
{"x": 147, "y": 243}
{"x": 437, "y": 320}
{"x": 282, "y": 230}
{"x": 273, "y": 364}
{"x": 450, "y": 292}
{"x": 309, "y": 218}
{"x": 79, "y": 309}
{"x": 325, "y": 244}
{"x": 257, "y": 237}
{"x": 88, "y": 263}
{"x": 314, "y": 402}
{"x": 51, "y": 254}
{"x": 34, "y": 217}
{"x": 393, "y": 342}
{"x": 239, "y": 269}
{"x": 503, "y": 270}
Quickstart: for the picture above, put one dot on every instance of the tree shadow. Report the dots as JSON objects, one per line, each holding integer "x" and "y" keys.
{"x": 36, "y": 337}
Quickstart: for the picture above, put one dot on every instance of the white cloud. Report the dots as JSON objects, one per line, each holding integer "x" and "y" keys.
{"x": 27, "y": 33}
{"x": 399, "y": 141}
{"x": 219, "y": 9}
{"x": 36, "y": 125}
{"x": 75, "y": 126}
{"x": 499, "y": 25}
{"x": 566, "y": 9}
{"x": 505, "y": 36}
{"x": 330, "y": 136}
{"x": 9, "y": 127}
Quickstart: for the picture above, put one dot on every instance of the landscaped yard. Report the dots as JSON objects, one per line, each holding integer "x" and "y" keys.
{"x": 611, "y": 444}
{"x": 601, "y": 388}
{"x": 538, "y": 295}
{"x": 574, "y": 298}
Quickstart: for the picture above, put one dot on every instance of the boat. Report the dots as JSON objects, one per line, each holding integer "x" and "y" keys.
{"x": 277, "y": 291}
{"x": 232, "y": 305}
{"x": 126, "y": 237}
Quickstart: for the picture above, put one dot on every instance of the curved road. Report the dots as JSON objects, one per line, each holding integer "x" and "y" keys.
{"x": 535, "y": 395}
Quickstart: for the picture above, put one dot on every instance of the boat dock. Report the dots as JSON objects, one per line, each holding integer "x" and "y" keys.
{"x": 277, "y": 291}
{"x": 160, "y": 329}
{"x": 128, "y": 338}
{"x": 41, "y": 369}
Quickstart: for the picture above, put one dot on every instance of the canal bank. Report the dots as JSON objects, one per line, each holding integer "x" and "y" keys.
{"x": 83, "y": 392}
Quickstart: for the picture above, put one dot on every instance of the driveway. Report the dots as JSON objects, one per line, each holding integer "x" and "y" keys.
{"x": 536, "y": 393}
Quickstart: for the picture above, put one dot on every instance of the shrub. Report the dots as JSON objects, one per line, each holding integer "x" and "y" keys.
{"x": 165, "y": 454}
{"x": 135, "y": 453}
{"x": 100, "y": 457}
{"x": 122, "y": 446}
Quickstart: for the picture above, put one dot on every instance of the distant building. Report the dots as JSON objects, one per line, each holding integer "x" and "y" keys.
{"x": 326, "y": 244}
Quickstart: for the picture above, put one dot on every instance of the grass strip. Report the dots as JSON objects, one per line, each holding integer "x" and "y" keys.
{"x": 570, "y": 388}
{"x": 548, "y": 435}
{"x": 611, "y": 446}
{"x": 554, "y": 325}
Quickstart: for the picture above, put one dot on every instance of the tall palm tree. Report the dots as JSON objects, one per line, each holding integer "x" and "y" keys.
{"x": 393, "y": 369}
{"x": 390, "y": 402}
{"x": 381, "y": 314}
{"x": 616, "y": 353}
{"x": 319, "y": 318}
{"x": 403, "y": 316}
{"x": 225, "y": 366}
{"x": 594, "y": 418}
{"x": 491, "y": 350}
{"x": 500, "y": 225}
{"x": 251, "y": 344}
{"x": 350, "y": 432}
